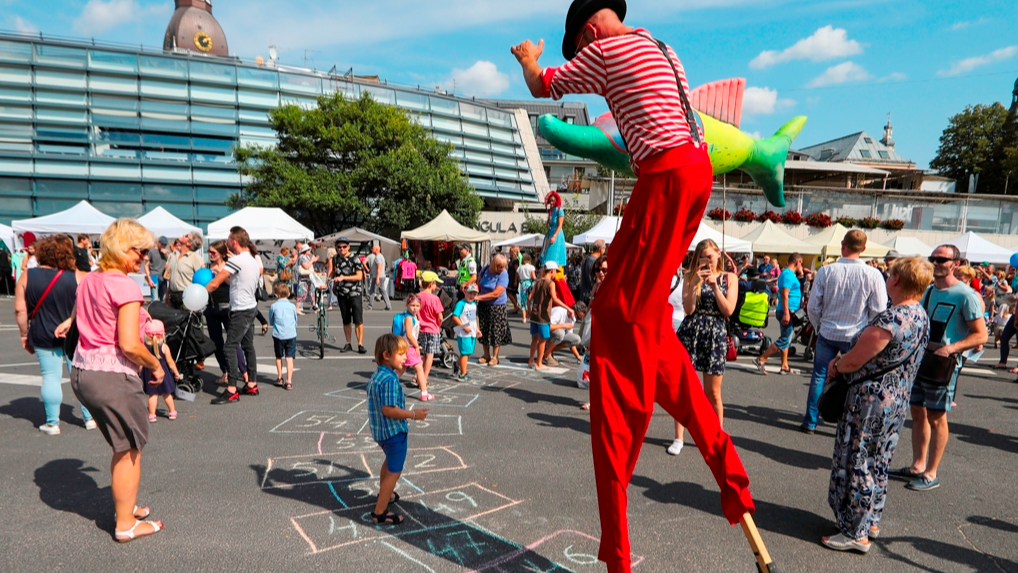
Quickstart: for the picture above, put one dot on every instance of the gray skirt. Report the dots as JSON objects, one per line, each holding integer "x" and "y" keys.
{"x": 118, "y": 404}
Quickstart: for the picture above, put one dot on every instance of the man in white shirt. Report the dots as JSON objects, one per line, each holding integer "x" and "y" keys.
{"x": 243, "y": 272}
{"x": 378, "y": 283}
{"x": 847, "y": 294}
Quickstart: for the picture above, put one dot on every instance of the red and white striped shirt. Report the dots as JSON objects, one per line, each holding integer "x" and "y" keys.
{"x": 633, "y": 76}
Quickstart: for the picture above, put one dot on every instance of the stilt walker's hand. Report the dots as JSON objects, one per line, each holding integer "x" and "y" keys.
{"x": 527, "y": 51}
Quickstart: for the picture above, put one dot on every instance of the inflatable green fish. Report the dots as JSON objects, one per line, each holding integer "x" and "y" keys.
{"x": 718, "y": 109}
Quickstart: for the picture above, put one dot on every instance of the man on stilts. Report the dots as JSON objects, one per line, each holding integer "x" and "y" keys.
{"x": 636, "y": 358}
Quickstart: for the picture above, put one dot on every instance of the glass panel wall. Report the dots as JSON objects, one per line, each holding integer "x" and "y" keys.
{"x": 60, "y": 56}
{"x": 163, "y": 67}
{"x": 15, "y": 75}
{"x": 113, "y": 61}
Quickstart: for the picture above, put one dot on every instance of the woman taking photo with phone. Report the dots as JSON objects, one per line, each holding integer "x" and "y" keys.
{"x": 709, "y": 296}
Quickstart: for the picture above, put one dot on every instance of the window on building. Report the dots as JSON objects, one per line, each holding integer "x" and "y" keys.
{"x": 570, "y": 119}
{"x": 868, "y": 140}
{"x": 113, "y": 61}
{"x": 865, "y": 153}
{"x": 884, "y": 155}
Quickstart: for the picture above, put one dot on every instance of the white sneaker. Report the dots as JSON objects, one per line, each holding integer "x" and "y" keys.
{"x": 676, "y": 448}
{"x": 90, "y": 425}
{"x": 50, "y": 429}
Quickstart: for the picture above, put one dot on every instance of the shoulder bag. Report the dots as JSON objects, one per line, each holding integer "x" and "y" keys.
{"x": 935, "y": 370}
{"x": 835, "y": 393}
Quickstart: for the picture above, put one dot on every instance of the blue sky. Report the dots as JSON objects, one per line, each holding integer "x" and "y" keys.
{"x": 843, "y": 63}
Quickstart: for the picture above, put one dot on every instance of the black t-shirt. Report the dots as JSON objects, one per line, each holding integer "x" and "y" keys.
{"x": 55, "y": 308}
{"x": 81, "y": 260}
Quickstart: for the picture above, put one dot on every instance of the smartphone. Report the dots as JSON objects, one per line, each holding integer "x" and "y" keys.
{"x": 704, "y": 263}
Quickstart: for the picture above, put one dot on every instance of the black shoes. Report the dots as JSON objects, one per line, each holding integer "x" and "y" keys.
{"x": 361, "y": 349}
{"x": 249, "y": 390}
{"x": 226, "y": 398}
{"x": 347, "y": 348}
{"x": 807, "y": 430}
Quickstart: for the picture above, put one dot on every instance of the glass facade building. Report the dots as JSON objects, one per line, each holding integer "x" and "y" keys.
{"x": 130, "y": 129}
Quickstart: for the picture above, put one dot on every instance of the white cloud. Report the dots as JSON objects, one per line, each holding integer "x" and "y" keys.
{"x": 894, "y": 77}
{"x": 98, "y": 17}
{"x": 840, "y": 74}
{"x": 22, "y": 25}
{"x": 763, "y": 101}
{"x": 969, "y": 64}
{"x": 481, "y": 79}
{"x": 827, "y": 43}
{"x": 969, "y": 23}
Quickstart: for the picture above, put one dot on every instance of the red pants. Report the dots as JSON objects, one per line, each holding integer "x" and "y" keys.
{"x": 637, "y": 360}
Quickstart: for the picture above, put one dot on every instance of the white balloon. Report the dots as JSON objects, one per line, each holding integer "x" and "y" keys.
{"x": 195, "y": 297}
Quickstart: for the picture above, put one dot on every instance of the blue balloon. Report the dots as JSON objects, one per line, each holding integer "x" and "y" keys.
{"x": 1014, "y": 260}
{"x": 202, "y": 277}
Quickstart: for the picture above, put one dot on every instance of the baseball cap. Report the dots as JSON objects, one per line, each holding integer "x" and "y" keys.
{"x": 550, "y": 266}
{"x": 892, "y": 254}
{"x": 342, "y": 241}
{"x": 155, "y": 328}
{"x": 429, "y": 277}
{"x": 164, "y": 241}
{"x": 472, "y": 287}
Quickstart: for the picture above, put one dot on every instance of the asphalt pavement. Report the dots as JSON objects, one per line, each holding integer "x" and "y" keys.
{"x": 498, "y": 479}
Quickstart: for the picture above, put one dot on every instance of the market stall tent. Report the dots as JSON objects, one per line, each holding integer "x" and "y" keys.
{"x": 531, "y": 240}
{"x": 910, "y": 247}
{"x": 445, "y": 228}
{"x": 163, "y": 224}
{"x": 81, "y": 218}
{"x": 829, "y": 241}
{"x": 606, "y": 228}
{"x": 770, "y": 238}
{"x": 7, "y": 237}
{"x": 261, "y": 224}
{"x": 390, "y": 248}
{"x": 978, "y": 250}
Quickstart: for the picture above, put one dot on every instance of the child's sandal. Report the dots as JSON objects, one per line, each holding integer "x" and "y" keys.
{"x": 288, "y": 386}
{"x": 279, "y": 383}
{"x": 387, "y": 518}
{"x": 172, "y": 415}
{"x": 394, "y": 498}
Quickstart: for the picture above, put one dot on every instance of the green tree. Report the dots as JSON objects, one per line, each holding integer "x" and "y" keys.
{"x": 974, "y": 143}
{"x": 355, "y": 162}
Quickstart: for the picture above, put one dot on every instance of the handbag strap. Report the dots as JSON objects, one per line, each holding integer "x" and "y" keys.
{"x": 44, "y": 293}
{"x": 883, "y": 371}
{"x": 682, "y": 94}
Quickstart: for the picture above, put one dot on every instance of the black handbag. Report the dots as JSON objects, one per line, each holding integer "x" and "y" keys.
{"x": 935, "y": 370}
{"x": 71, "y": 341}
{"x": 835, "y": 393}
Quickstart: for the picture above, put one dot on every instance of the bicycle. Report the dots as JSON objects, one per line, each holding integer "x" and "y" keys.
{"x": 321, "y": 327}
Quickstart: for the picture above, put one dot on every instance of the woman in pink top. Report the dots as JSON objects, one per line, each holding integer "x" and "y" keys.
{"x": 431, "y": 318}
{"x": 110, "y": 352}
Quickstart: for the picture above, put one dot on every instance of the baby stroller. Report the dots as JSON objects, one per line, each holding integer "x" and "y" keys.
{"x": 448, "y": 356}
{"x": 187, "y": 342}
{"x": 751, "y": 316}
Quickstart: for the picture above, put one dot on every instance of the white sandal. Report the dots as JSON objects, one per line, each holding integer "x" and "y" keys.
{"x": 841, "y": 543}
{"x": 127, "y": 536}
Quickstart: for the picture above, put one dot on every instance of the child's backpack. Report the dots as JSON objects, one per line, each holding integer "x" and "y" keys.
{"x": 399, "y": 324}
{"x": 754, "y": 309}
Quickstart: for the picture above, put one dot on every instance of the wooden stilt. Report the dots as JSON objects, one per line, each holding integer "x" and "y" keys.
{"x": 764, "y": 564}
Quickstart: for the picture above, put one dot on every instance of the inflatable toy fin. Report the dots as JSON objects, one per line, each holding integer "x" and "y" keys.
{"x": 721, "y": 100}
{"x": 766, "y": 164}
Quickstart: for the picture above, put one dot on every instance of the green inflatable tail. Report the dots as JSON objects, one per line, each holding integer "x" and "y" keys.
{"x": 766, "y": 164}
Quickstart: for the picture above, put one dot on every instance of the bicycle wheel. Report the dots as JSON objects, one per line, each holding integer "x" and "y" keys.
{"x": 322, "y": 330}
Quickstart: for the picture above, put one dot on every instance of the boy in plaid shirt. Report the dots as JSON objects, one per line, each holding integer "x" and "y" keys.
{"x": 387, "y": 416}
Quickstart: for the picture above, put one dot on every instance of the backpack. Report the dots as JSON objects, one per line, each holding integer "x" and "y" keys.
{"x": 399, "y": 324}
{"x": 754, "y": 309}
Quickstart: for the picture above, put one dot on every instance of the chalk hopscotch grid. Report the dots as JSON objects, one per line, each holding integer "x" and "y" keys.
{"x": 419, "y": 425}
{"x": 363, "y": 459}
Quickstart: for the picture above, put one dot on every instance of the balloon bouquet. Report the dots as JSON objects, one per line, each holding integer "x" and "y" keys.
{"x": 195, "y": 296}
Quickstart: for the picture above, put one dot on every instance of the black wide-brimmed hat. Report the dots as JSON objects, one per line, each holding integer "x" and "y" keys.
{"x": 579, "y": 12}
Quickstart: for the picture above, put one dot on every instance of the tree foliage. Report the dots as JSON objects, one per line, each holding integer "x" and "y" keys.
{"x": 974, "y": 143}
{"x": 355, "y": 162}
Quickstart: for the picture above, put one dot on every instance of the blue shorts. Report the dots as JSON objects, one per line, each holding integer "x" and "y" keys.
{"x": 466, "y": 345}
{"x": 395, "y": 452}
{"x": 541, "y": 330}
{"x": 785, "y": 339}
{"x": 284, "y": 348}
{"x": 935, "y": 398}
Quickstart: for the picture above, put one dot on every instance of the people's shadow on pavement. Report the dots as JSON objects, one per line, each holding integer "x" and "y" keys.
{"x": 531, "y": 397}
{"x": 463, "y": 544}
{"x": 787, "y": 456}
{"x": 29, "y": 409}
{"x": 765, "y": 416}
{"x": 578, "y": 424}
{"x": 65, "y": 485}
{"x": 984, "y": 437}
{"x": 940, "y": 552}
{"x": 993, "y": 523}
{"x": 781, "y": 519}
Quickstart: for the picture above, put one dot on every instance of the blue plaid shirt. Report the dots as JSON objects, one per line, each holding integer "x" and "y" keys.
{"x": 384, "y": 389}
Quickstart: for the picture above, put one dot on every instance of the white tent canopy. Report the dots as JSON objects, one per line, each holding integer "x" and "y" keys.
{"x": 910, "y": 247}
{"x": 261, "y": 224}
{"x": 769, "y": 238}
{"x": 7, "y": 237}
{"x": 605, "y": 231}
{"x": 829, "y": 240}
{"x": 163, "y": 224}
{"x": 81, "y": 218}
{"x": 390, "y": 248}
{"x": 532, "y": 240}
{"x": 445, "y": 228}
{"x": 977, "y": 249}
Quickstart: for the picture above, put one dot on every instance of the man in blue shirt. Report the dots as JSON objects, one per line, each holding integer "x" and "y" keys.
{"x": 789, "y": 301}
{"x": 956, "y": 325}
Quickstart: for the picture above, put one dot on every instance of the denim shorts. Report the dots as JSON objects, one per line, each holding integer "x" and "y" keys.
{"x": 540, "y": 330}
{"x": 785, "y": 339}
{"x": 395, "y": 452}
{"x": 935, "y": 398}
{"x": 466, "y": 345}
{"x": 284, "y": 348}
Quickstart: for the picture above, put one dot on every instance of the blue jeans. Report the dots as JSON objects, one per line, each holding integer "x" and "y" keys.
{"x": 825, "y": 352}
{"x": 51, "y": 362}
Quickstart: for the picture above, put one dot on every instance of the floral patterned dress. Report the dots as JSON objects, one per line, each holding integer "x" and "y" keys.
{"x": 874, "y": 413}
{"x": 704, "y": 333}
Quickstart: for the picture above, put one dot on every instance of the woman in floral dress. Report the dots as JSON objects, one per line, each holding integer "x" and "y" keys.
{"x": 709, "y": 296}
{"x": 876, "y": 407}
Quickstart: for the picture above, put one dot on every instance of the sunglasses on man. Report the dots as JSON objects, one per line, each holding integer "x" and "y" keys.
{"x": 941, "y": 260}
